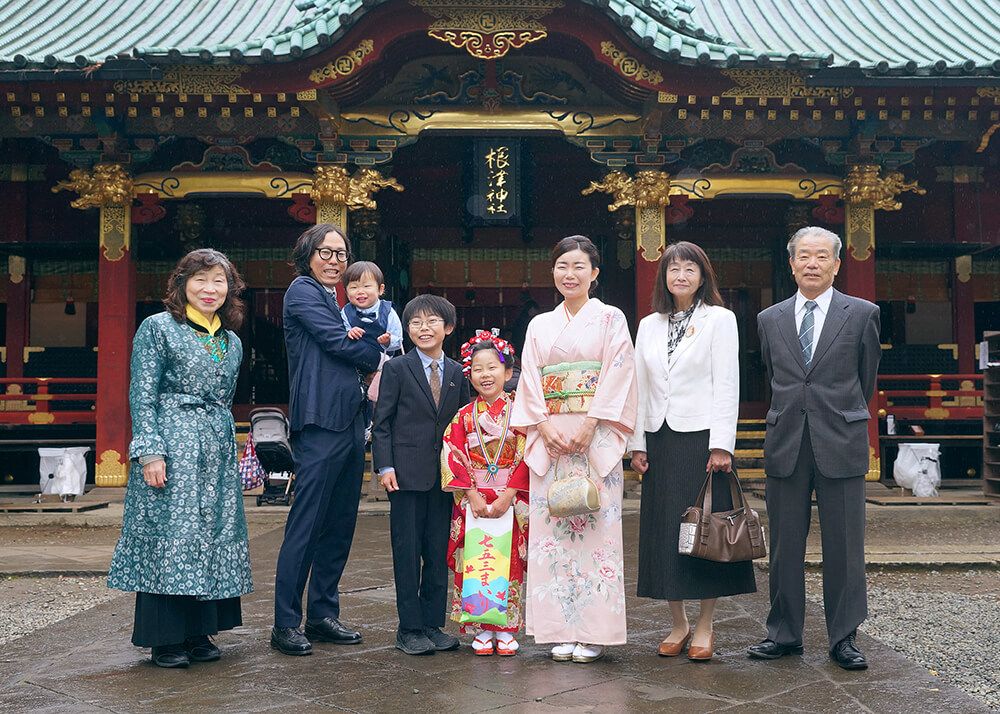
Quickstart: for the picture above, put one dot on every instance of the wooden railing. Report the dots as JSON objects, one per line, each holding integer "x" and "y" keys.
{"x": 924, "y": 397}
{"x": 56, "y": 400}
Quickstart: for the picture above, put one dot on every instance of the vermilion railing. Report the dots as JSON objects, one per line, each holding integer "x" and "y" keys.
{"x": 56, "y": 400}
{"x": 930, "y": 396}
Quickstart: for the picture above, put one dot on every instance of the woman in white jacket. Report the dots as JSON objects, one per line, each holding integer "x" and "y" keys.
{"x": 687, "y": 365}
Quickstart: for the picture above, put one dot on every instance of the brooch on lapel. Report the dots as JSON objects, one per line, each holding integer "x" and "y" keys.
{"x": 690, "y": 331}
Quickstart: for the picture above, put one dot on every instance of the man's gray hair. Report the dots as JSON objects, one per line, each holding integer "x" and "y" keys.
{"x": 814, "y": 231}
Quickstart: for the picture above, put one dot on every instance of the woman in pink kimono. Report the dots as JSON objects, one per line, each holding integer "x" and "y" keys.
{"x": 577, "y": 394}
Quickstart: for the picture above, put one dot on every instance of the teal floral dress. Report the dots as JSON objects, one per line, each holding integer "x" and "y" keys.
{"x": 190, "y": 537}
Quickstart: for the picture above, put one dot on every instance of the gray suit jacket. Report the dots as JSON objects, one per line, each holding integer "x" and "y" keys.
{"x": 833, "y": 393}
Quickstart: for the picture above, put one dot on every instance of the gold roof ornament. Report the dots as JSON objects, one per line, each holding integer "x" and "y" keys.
{"x": 107, "y": 185}
{"x": 864, "y": 185}
{"x": 487, "y": 29}
{"x": 648, "y": 189}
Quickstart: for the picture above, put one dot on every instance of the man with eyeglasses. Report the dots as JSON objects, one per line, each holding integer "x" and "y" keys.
{"x": 326, "y": 411}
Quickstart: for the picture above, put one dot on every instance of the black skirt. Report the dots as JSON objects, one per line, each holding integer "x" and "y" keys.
{"x": 171, "y": 619}
{"x": 675, "y": 476}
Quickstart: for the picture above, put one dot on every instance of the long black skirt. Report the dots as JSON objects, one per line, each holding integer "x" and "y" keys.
{"x": 170, "y": 619}
{"x": 675, "y": 476}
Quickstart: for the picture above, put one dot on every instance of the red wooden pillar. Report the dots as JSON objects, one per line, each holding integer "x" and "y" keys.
{"x": 645, "y": 279}
{"x": 857, "y": 278}
{"x": 115, "y": 328}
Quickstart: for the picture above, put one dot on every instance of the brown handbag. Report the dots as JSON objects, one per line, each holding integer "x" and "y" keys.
{"x": 727, "y": 536}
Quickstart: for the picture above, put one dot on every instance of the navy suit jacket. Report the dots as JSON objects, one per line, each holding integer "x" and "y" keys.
{"x": 408, "y": 433}
{"x": 323, "y": 363}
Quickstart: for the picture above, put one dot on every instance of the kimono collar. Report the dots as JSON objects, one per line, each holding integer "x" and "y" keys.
{"x": 201, "y": 321}
{"x": 496, "y": 408}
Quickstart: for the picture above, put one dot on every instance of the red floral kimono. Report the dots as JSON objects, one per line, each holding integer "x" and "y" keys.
{"x": 512, "y": 473}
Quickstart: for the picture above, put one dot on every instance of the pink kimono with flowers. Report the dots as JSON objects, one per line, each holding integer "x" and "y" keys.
{"x": 575, "y": 584}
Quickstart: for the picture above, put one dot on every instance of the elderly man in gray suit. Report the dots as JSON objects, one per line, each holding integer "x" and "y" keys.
{"x": 821, "y": 352}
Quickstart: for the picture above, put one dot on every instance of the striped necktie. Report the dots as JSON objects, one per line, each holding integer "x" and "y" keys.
{"x": 435, "y": 382}
{"x": 806, "y": 332}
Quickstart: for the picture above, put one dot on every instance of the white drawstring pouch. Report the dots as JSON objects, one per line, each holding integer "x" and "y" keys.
{"x": 917, "y": 468}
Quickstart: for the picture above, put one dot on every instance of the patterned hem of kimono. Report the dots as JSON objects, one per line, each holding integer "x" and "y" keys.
{"x": 181, "y": 567}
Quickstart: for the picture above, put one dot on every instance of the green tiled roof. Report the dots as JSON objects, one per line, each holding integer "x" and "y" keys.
{"x": 884, "y": 36}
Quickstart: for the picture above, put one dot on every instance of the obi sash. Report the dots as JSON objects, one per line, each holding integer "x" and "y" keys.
{"x": 485, "y": 480}
{"x": 569, "y": 387}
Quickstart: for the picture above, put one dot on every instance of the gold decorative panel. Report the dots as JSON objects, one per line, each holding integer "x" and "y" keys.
{"x": 487, "y": 30}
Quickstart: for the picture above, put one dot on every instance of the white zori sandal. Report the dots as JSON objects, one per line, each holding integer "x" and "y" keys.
{"x": 483, "y": 643}
{"x": 506, "y": 644}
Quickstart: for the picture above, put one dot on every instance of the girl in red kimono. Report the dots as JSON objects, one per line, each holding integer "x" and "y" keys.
{"x": 482, "y": 464}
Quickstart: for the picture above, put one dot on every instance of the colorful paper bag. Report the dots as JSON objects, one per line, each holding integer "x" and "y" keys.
{"x": 487, "y": 568}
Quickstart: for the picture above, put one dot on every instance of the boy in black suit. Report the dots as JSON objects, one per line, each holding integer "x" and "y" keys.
{"x": 419, "y": 395}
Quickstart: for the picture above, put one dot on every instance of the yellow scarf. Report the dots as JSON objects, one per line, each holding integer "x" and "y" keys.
{"x": 197, "y": 318}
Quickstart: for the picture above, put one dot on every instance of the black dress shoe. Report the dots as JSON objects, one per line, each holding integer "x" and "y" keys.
{"x": 846, "y": 654}
{"x": 170, "y": 656}
{"x": 330, "y": 629}
{"x": 442, "y": 641}
{"x": 414, "y": 642}
{"x": 201, "y": 649}
{"x": 769, "y": 649}
{"x": 289, "y": 641}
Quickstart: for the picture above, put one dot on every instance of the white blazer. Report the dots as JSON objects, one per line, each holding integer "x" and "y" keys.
{"x": 699, "y": 388}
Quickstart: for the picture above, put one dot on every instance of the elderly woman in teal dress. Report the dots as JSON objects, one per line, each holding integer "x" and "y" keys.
{"x": 183, "y": 548}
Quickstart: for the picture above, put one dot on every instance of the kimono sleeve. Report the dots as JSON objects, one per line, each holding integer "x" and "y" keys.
{"x": 529, "y": 404}
{"x": 519, "y": 477}
{"x": 454, "y": 476}
{"x": 149, "y": 352}
{"x": 615, "y": 398}
{"x": 638, "y": 440}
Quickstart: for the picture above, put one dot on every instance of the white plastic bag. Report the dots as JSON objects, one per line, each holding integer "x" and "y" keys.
{"x": 918, "y": 469}
{"x": 62, "y": 471}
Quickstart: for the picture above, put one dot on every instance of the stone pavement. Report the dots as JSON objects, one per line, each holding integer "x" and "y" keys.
{"x": 86, "y": 664}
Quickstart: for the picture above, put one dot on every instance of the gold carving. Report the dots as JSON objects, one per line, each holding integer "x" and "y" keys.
{"x": 333, "y": 213}
{"x": 41, "y": 418}
{"x": 190, "y": 79}
{"x": 487, "y": 29}
{"x": 109, "y": 188}
{"x": 17, "y": 266}
{"x": 629, "y": 66}
{"x": 779, "y": 83}
{"x": 963, "y": 268}
{"x": 874, "y": 465}
{"x": 308, "y": 95}
{"x": 108, "y": 185}
{"x": 342, "y": 66}
{"x": 649, "y": 192}
{"x": 859, "y": 225}
{"x": 985, "y": 140}
{"x": 864, "y": 185}
{"x": 110, "y": 471}
{"x": 335, "y": 192}
{"x": 649, "y": 189}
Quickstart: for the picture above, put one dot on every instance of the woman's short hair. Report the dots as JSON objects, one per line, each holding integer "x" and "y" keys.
{"x": 311, "y": 239}
{"x": 708, "y": 292}
{"x": 428, "y": 304}
{"x": 356, "y": 271}
{"x": 232, "y": 310}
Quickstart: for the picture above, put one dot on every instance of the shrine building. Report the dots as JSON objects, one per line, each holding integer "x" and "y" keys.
{"x": 456, "y": 141}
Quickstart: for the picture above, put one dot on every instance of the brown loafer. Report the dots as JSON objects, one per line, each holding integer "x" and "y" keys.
{"x": 702, "y": 654}
{"x": 672, "y": 649}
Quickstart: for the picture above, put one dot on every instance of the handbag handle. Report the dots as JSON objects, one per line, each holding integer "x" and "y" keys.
{"x": 705, "y": 498}
{"x": 558, "y": 475}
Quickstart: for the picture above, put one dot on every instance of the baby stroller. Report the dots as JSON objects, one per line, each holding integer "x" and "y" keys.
{"x": 269, "y": 429}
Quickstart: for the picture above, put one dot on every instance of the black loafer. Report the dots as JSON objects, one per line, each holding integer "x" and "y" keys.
{"x": 289, "y": 641}
{"x": 414, "y": 642}
{"x": 847, "y": 655}
{"x": 442, "y": 641}
{"x": 170, "y": 656}
{"x": 330, "y": 629}
{"x": 769, "y": 649}
{"x": 201, "y": 649}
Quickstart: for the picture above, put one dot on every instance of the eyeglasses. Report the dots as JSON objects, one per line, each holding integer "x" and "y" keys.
{"x": 327, "y": 253}
{"x": 432, "y": 323}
